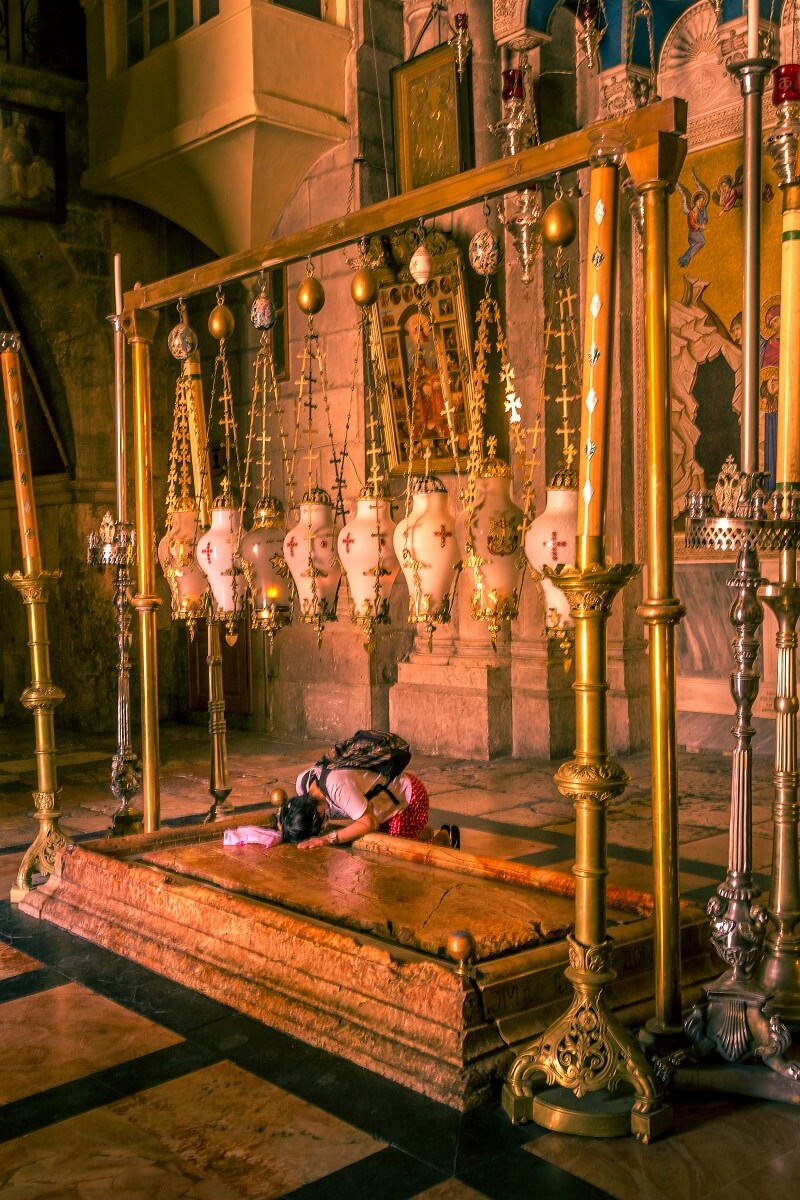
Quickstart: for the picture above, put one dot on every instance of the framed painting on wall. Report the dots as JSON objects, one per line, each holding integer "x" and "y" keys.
{"x": 432, "y": 114}
{"x": 32, "y": 163}
{"x": 422, "y": 354}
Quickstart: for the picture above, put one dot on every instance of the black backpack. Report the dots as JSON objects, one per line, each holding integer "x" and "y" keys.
{"x": 385, "y": 754}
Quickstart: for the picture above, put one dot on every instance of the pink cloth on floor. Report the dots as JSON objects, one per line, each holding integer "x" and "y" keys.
{"x": 249, "y": 835}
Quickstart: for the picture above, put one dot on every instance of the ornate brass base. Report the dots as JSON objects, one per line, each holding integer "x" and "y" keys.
{"x": 587, "y": 1051}
{"x": 41, "y": 698}
{"x": 219, "y": 783}
{"x": 588, "y": 1056}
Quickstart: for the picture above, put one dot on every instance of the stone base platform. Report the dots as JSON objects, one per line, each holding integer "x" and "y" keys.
{"x": 345, "y": 948}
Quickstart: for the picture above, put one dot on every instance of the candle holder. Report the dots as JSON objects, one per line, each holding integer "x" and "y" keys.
{"x": 587, "y": 1050}
{"x": 115, "y": 546}
{"x": 735, "y": 1021}
{"x": 779, "y": 968}
{"x": 33, "y": 585}
{"x": 219, "y": 781}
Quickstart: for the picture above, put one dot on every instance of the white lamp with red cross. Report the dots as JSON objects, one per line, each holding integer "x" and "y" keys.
{"x": 368, "y": 558}
{"x": 430, "y": 559}
{"x": 490, "y": 533}
{"x": 217, "y": 554}
{"x": 310, "y": 552}
{"x": 550, "y": 541}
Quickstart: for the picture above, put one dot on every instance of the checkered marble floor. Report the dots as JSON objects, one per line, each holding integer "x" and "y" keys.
{"x": 116, "y": 1082}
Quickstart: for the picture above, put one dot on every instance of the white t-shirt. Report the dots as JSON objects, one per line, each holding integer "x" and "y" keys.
{"x": 347, "y": 793}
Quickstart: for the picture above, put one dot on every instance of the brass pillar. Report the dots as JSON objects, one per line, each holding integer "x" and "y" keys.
{"x": 654, "y": 172}
{"x": 42, "y": 697}
{"x": 586, "y": 1053}
{"x": 779, "y": 969}
{"x": 219, "y": 782}
{"x": 140, "y": 327}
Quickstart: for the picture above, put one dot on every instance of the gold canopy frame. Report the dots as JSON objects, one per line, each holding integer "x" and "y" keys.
{"x": 655, "y": 150}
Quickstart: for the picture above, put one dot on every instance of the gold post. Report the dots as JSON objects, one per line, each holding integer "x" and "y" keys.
{"x": 198, "y": 437}
{"x": 654, "y": 172}
{"x": 779, "y": 969}
{"x": 587, "y": 1050}
{"x": 140, "y": 327}
{"x": 42, "y": 697}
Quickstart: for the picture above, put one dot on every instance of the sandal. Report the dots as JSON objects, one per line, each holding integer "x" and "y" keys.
{"x": 455, "y": 837}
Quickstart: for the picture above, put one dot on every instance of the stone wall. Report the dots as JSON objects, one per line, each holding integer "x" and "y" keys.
{"x": 58, "y": 282}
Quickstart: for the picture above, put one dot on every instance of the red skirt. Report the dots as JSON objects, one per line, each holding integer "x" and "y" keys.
{"x": 412, "y": 820}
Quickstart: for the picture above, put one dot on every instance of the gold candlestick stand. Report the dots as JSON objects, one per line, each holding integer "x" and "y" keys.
{"x": 140, "y": 327}
{"x": 33, "y": 585}
{"x": 779, "y": 969}
{"x": 654, "y": 172}
{"x": 735, "y": 1023}
{"x": 219, "y": 783}
{"x": 586, "y": 1053}
{"x": 115, "y": 546}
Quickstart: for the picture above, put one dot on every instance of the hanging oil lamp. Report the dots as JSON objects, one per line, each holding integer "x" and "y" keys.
{"x": 177, "y": 549}
{"x": 491, "y": 543}
{"x": 490, "y": 528}
{"x": 591, "y": 27}
{"x": 368, "y": 558}
{"x": 261, "y": 550}
{"x": 309, "y": 547}
{"x": 550, "y": 538}
{"x": 426, "y": 545}
{"x": 461, "y": 43}
{"x": 217, "y": 549}
{"x": 366, "y": 549}
{"x": 550, "y": 543}
{"x": 520, "y": 212}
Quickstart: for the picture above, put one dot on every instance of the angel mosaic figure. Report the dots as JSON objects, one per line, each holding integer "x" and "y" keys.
{"x": 695, "y": 205}
{"x": 730, "y": 191}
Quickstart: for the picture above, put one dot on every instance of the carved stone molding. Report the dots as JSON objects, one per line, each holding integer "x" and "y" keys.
{"x": 509, "y": 23}
{"x": 623, "y": 89}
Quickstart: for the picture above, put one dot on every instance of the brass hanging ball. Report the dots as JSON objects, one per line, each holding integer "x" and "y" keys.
{"x": 364, "y": 287}
{"x": 220, "y": 322}
{"x": 310, "y": 295}
{"x": 277, "y": 796}
{"x": 559, "y": 224}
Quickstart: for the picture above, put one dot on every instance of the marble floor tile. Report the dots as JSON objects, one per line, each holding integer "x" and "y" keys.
{"x": 715, "y": 850}
{"x": 259, "y": 1139}
{"x": 718, "y": 1141}
{"x": 450, "y": 1189}
{"x": 14, "y": 962}
{"x": 71, "y": 1033}
{"x": 781, "y": 1179}
{"x": 104, "y": 1156}
{"x": 474, "y": 802}
{"x": 9, "y": 865}
{"x": 639, "y": 876}
{"x": 82, "y": 820}
{"x": 497, "y": 845}
{"x": 541, "y": 813}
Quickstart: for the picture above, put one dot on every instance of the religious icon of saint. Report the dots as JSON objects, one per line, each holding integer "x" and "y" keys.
{"x": 768, "y": 360}
{"x": 695, "y": 206}
{"x": 730, "y": 191}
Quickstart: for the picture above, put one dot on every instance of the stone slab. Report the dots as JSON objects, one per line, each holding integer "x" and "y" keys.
{"x": 344, "y": 947}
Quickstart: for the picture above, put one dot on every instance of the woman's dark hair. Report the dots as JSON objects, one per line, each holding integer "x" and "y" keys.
{"x": 299, "y": 818}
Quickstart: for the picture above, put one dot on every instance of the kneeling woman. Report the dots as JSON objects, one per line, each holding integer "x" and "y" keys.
{"x": 399, "y": 808}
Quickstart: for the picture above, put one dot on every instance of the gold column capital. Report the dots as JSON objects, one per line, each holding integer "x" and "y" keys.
{"x": 658, "y": 163}
{"x": 139, "y": 325}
